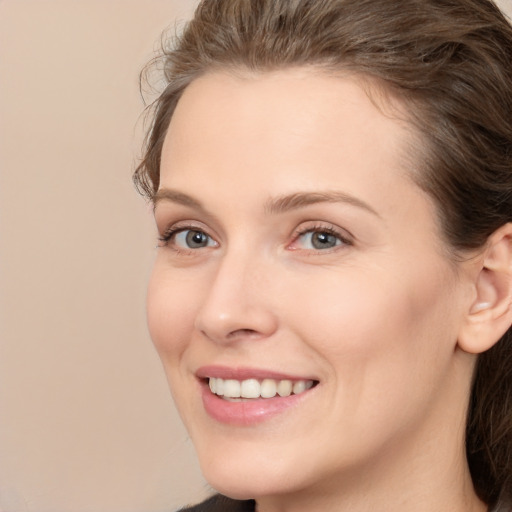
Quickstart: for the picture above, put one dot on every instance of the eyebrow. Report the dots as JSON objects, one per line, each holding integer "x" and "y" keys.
{"x": 302, "y": 199}
{"x": 176, "y": 197}
{"x": 274, "y": 206}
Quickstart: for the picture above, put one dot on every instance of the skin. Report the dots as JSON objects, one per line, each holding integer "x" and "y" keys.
{"x": 375, "y": 318}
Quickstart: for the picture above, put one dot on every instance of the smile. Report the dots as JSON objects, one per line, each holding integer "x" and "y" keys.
{"x": 249, "y": 396}
{"x": 232, "y": 389}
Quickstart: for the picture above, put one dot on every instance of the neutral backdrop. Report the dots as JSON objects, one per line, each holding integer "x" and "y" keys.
{"x": 86, "y": 420}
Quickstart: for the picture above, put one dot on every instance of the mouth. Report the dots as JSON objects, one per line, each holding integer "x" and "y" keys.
{"x": 250, "y": 389}
{"x": 245, "y": 397}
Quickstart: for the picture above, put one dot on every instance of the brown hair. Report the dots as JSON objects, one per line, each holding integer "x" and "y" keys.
{"x": 450, "y": 63}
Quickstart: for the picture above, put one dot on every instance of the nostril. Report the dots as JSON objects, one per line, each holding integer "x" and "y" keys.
{"x": 244, "y": 333}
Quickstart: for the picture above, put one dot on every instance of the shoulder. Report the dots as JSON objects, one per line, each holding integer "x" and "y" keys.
{"x": 219, "y": 503}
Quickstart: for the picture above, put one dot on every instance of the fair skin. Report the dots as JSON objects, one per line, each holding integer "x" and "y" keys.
{"x": 297, "y": 247}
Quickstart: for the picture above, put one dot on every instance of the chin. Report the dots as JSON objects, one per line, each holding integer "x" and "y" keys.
{"x": 252, "y": 473}
{"x": 244, "y": 486}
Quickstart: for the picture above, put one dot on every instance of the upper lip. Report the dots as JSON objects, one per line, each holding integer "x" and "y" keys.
{"x": 244, "y": 373}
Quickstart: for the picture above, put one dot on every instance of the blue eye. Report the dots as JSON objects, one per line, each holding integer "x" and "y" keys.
{"x": 187, "y": 238}
{"x": 192, "y": 239}
{"x": 319, "y": 239}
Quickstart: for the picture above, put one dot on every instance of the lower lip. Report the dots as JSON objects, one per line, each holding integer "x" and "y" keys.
{"x": 247, "y": 412}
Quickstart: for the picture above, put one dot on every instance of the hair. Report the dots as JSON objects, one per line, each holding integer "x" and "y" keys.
{"x": 449, "y": 62}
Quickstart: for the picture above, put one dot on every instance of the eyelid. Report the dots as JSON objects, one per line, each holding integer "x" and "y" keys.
{"x": 346, "y": 238}
{"x": 173, "y": 229}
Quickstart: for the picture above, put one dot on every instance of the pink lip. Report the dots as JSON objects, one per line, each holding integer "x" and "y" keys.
{"x": 243, "y": 373}
{"x": 247, "y": 412}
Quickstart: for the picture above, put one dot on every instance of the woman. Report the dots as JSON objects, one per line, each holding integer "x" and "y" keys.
{"x": 332, "y": 293}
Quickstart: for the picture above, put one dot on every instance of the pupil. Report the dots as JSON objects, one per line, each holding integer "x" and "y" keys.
{"x": 196, "y": 239}
{"x": 323, "y": 240}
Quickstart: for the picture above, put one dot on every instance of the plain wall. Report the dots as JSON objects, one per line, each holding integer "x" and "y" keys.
{"x": 86, "y": 420}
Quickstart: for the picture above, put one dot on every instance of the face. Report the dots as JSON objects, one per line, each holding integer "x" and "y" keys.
{"x": 298, "y": 258}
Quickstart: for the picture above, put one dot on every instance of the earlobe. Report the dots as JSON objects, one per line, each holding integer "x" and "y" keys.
{"x": 490, "y": 314}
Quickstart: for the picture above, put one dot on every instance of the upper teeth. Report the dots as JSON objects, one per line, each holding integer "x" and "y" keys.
{"x": 253, "y": 388}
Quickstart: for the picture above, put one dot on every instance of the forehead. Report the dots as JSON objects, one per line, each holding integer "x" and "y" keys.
{"x": 282, "y": 123}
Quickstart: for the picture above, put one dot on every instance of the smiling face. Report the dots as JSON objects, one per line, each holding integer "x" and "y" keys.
{"x": 296, "y": 251}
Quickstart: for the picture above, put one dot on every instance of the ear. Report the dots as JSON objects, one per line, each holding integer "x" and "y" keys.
{"x": 490, "y": 314}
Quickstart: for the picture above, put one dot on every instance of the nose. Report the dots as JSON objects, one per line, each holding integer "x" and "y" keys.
{"x": 237, "y": 304}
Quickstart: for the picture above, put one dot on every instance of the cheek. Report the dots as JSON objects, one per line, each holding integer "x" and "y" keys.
{"x": 386, "y": 346}
{"x": 376, "y": 327}
{"x": 171, "y": 313}
{"x": 348, "y": 311}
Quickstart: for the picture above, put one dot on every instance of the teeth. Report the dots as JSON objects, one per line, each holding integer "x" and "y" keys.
{"x": 285, "y": 387}
{"x": 268, "y": 388}
{"x": 253, "y": 388}
{"x": 299, "y": 387}
{"x": 219, "y": 387}
{"x": 231, "y": 388}
{"x": 249, "y": 389}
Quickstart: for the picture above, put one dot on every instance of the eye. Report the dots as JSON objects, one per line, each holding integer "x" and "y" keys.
{"x": 318, "y": 239}
{"x": 183, "y": 238}
{"x": 192, "y": 239}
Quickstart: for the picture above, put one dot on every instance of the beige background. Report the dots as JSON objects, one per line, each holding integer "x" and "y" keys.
{"x": 86, "y": 422}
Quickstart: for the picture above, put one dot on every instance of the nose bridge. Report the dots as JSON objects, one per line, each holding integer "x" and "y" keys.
{"x": 237, "y": 303}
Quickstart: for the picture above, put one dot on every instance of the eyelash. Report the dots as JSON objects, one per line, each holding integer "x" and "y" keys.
{"x": 167, "y": 236}
{"x": 330, "y": 230}
{"x": 173, "y": 231}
